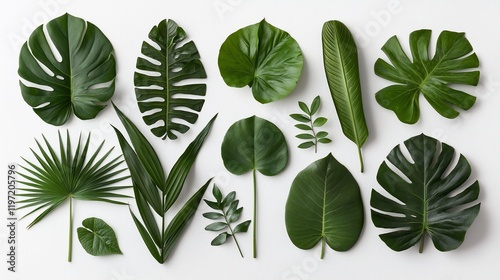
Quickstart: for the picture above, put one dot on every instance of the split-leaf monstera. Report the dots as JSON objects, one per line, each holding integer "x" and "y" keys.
{"x": 169, "y": 103}
{"x": 324, "y": 205}
{"x": 429, "y": 76}
{"x": 263, "y": 57}
{"x": 428, "y": 196}
{"x": 77, "y": 76}
{"x": 254, "y": 144}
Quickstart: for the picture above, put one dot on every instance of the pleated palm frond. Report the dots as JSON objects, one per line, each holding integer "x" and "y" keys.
{"x": 53, "y": 179}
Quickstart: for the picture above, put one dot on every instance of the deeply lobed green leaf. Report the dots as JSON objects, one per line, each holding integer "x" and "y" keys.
{"x": 426, "y": 196}
{"x": 162, "y": 87}
{"x": 432, "y": 77}
{"x": 80, "y": 82}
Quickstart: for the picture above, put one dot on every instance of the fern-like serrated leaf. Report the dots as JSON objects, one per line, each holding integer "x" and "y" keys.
{"x": 160, "y": 81}
{"x": 340, "y": 57}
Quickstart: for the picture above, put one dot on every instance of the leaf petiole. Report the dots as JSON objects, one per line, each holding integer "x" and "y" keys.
{"x": 254, "y": 214}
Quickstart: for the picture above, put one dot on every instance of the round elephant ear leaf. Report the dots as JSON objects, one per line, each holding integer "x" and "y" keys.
{"x": 263, "y": 57}
{"x": 324, "y": 204}
{"x": 167, "y": 98}
{"x": 427, "y": 196}
{"x": 254, "y": 144}
{"x": 68, "y": 69}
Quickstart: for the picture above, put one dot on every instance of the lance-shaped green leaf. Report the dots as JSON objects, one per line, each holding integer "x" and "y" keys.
{"x": 263, "y": 57}
{"x": 78, "y": 76}
{"x": 324, "y": 205}
{"x": 427, "y": 196}
{"x": 429, "y": 76}
{"x": 153, "y": 192}
{"x": 254, "y": 144}
{"x": 162, "y": 81}
{"x": 340, "y": 57}
{"x": 98, "y": 238}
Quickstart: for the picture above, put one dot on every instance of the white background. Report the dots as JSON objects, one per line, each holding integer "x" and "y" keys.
{"x": 475, "y": 134}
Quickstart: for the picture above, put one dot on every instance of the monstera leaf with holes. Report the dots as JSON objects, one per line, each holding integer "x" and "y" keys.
{"x": 429, "y": 76}
{"x": 428, "y": 196}
{"x": 78, "y": 75}
{"x": 166, "y": 99}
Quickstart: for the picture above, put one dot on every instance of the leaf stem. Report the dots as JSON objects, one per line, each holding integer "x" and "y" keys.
{"x": 254, "y": 215}
{"x": 314, "y": 135}
{"x": 422, "y": 243}
{"x": 361, "y": 159}
{"x": 322, "y": 248}
{"x": 232, "y": 233}
{"x": 70, "y": 239}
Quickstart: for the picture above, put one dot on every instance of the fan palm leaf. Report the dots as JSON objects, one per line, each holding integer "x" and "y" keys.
{"x": 52, "y": 179}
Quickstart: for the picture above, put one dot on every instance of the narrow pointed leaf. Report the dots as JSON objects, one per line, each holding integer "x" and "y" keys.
{"x": 243, "y": 227}
{"x": 303, "y": 127}
{"x": 423, "y": 196}
{"x": 180, "y": 170}
{"x": 300, "y": 118}
{"x": 164, "y": 90}
{"x": 144, "y": 151}
{"x": 319, "y": 122}
{"x": 340, "y": 57}
{"x": 150, "y": 244}
{"x": 315, "y": 105}
{"x": 324, "y": 203}
{"x": 181, "y": 220}
{"x": 216, "y": 226}
{"x": 217, "y": 194}
{"x": 304, "y": 108}
{"x": 98, "y": 238}
{"x": 213, "y": 215}
{"x": 306, "y": 145}
{"x": 220, "y": 239}
{"x": 230, "y": 197}
{"x": 304, "y": 136}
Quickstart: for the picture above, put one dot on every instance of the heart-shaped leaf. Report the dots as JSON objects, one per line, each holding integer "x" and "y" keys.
{"x": 263, "y": 57}
{"x": 324, "y": 205}
{"x": 162, "y": 91}
{"x": 254, "y": 143}
{"x": 429, "y": 76}
{"x": 98, "y": 238}
{"x": 77, "y": 76}
{"x": 427, "y": 196}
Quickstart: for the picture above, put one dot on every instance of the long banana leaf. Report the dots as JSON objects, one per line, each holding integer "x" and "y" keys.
{"x": 340, "y": 58}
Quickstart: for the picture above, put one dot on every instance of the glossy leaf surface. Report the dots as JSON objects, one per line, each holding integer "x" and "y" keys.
{"x": 427, "y": 196}
{"x": 98, "y": 238}
{"x": 77, "y": 76}
{"x": 166, "y": 94}
{"x": 340, "y": 58}
{"x": 263, "y": 57}
{"x": 154, "y": 194}
{"x": 254, "y": 144}
{"x": 324, "y": 204}
{"x": 452, "y": 63}
{"x": 56, "y": 178}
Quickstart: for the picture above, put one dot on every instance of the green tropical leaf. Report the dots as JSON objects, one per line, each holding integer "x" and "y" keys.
{"x": 98, "y": 238}
{"x": 340, "y": 58}
{"x": 162, "y": 93}
{"x": 304, "y": 108}
{"x": 322, "y": 134}
{"x": 319, "y": 122}
{"x": 78, "y": 76}
{"x": 324, "y": 140}
{"x": 263, "y": 57}
{"x": 306, "y": 145}
{"x": 181, "y": 220}
{"x": 316, "y": 103}
{"x": 305, "y": 136}
{"x": 146, "y": 171}
{"x": 300, "y": 118}
{"x": 324, "y": 205}
{"x": 67, "y": 176}
{"x": 431, "y": 77}
{"x": 229, "y": 213}
{"x": 303, "y": 127}
{"x": 254, "y": 144}
{"x": 220, "y": 239}
{"x": 427, "y": 196}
